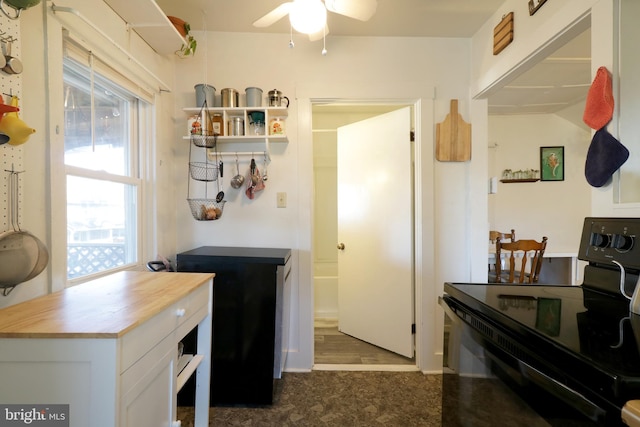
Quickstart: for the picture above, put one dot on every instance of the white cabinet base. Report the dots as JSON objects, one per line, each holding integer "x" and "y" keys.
{"x": 127, "y": 376}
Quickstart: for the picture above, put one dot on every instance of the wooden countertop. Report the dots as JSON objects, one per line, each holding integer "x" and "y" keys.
{"x": 103, "y": 308}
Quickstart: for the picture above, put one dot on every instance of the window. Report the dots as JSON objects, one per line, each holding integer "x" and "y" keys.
{"x": 103, "y": 178}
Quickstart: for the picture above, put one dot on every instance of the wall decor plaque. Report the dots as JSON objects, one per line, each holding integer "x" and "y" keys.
{"x": 503, "y": 33}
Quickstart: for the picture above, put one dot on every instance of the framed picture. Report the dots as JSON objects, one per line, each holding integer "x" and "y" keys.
{"x": 552, "y": 163}
{"x": 548, "y": 316}
{"x": 534, "y": 5}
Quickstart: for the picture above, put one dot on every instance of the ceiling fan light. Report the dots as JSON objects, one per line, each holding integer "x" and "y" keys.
{"x": 308, "y": 16}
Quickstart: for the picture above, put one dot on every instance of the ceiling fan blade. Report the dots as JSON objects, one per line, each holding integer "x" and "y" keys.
{"x": 361, "y": 10}
{"x": 274, "y": 16}
{"x": 320, "y": 34}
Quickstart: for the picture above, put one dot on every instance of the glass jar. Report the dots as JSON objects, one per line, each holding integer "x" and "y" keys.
{"x": 276, "y": 126}
{"x": 218, "y": 126}
{"x": 193, "y": 126}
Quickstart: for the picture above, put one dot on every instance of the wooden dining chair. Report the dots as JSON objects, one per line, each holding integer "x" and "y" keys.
{"x": 527, "y": 250}
{"x": 494, "y": 235}
{"x": 493, "y": 238}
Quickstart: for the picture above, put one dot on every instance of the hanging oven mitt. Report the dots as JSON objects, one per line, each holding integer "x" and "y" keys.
{"x": 250, "y": 187}
{"x": 598, "y": 108}
{"x": 260, "y": 185}
{"x": 254, "y": 183}
{"x": 605, "y": 156}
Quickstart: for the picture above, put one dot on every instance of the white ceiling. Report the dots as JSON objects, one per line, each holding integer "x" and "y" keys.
{"x": 557, "y": 85}
{"x": 419, "y": 18}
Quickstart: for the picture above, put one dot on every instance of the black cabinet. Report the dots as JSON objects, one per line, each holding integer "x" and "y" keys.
{"x": 250, "y": 319}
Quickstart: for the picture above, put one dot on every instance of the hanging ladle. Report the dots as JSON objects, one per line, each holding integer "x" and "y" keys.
{"x": 255, "y": 178}
{"x": 238, "y": 180}
{"x": 220, "y": 195}
{"x": 264, "y": 170}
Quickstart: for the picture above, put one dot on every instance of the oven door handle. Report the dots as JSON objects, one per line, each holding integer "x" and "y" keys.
{"x": 569, "y": 396}
{"x": 455, "y": 319}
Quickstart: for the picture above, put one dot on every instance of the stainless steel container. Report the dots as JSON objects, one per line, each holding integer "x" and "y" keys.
{"x": 229, "y": 97}
{"x": 205, "y": 92}
{"x": 236, "y": 126}
{"x": 254, "y": 96}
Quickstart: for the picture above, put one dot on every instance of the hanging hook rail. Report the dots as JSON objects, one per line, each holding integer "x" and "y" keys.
{"x": 211, "y": 154}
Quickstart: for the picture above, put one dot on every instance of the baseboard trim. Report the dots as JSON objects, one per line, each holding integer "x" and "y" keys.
{"x": 354, "y": 367}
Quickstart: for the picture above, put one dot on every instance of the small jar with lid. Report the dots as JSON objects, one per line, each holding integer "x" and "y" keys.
{"x": 218, "y": 125}
{"x": 276, "y": 126}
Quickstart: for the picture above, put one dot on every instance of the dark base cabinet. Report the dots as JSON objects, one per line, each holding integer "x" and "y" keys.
{"x": 250, "y": 319}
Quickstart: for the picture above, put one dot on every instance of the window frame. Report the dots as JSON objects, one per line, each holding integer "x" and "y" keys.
{"x": 140, "y": 177}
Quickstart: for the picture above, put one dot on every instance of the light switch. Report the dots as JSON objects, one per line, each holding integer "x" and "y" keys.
{"x": 282, "y": 200}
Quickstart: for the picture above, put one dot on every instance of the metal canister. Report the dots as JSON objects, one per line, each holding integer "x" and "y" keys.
{"x": 205, "y": 92}
{"x": 236, "y": 126}
{"x": 229, "y": 97}
{"x": 253, "y": 96}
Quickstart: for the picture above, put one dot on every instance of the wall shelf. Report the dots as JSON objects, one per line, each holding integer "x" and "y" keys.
{"x": 230, "y": 112}
{"x": 511, "y": 181}
{"x": 150, "y": 22}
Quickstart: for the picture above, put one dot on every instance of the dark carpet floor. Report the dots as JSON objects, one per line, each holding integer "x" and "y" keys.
{"x": 340, "y": 399}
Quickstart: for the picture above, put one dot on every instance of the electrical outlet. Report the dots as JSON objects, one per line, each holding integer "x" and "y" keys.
{"x": 282, "y": 200}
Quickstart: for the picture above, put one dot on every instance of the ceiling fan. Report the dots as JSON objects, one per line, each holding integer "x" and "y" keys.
{"x": 310, "y": 16}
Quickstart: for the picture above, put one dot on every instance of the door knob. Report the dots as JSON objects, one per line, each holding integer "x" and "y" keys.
{"x": 341, "y": 246}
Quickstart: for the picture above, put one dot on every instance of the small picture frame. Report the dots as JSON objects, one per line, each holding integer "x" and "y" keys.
{"x": 552, "y": 163}
{"x": 548, "y": 316}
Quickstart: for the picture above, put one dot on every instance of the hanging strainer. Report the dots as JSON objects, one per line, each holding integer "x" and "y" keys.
{"x": 22, "y": 255}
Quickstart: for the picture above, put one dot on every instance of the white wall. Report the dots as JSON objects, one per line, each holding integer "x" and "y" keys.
{"x": 543, "y": 208}
{"x": 380, "y": 68}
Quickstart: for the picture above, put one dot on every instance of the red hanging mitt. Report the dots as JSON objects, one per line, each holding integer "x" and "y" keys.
{"x": 598, "y": 109}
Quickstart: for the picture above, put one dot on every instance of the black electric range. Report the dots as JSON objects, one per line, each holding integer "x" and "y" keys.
{"x": 577, "y": 346}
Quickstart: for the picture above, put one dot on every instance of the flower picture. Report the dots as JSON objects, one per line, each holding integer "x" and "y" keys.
{"x": 552, "y": 163}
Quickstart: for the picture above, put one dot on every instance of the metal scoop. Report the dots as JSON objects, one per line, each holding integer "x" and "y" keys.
{"x": 238, "y": 180}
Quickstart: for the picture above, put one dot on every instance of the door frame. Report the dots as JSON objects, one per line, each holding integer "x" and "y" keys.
{"x": 422, "y": 100}
{"x": 384, "y": 109}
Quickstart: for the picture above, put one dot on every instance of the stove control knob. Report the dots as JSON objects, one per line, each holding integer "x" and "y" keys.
{"x": 600, "y": 240}
{"x": 621, "y": 243}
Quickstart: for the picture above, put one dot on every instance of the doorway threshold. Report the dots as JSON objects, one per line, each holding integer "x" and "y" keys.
{"x": 358, "y": 367}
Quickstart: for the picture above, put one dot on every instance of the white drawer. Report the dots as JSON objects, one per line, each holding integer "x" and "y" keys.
{"x": 193, "y": 303}
{"x": 139, "y": 341}
{"x": 131, "y": 376}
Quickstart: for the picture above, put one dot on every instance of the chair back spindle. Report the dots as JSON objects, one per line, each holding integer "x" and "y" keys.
{"x": 528, "y": 250}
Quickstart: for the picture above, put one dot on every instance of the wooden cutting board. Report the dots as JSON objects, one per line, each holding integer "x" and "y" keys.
{"x": 453, "y": 137}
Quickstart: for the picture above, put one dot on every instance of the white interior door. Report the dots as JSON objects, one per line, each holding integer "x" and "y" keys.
{"x": 375, "y": 223}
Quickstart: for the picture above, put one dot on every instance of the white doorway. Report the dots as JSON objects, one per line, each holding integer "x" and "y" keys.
{"x": 327, "y": 119}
